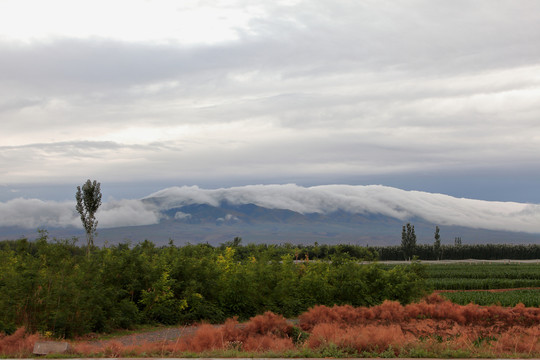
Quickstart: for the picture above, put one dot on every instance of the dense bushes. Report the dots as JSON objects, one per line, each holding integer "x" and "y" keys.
{"x": 54, "y": 286}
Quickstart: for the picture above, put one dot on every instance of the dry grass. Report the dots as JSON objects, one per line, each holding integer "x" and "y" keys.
{"x": 433, "y": 327}
{"x": 18, "y": 344}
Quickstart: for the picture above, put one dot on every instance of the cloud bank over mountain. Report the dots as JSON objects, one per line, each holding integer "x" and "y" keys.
{"x": 373, "y": 199}
{"x": 34, "y": 213}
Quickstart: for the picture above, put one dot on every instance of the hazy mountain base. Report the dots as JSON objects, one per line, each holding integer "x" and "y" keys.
{"x": 374, "y": 231}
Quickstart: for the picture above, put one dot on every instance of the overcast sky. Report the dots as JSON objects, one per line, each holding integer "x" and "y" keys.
{"x": 435, "y": 95}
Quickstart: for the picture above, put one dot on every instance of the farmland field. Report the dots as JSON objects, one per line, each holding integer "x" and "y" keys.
{"x": 462, "y": 276}
{"x": 528, "y": 297}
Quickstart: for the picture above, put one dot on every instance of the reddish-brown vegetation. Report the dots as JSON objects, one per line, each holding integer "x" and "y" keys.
{"x": 514, "y": 329}
{"x": 432, "y": 308}
{"x": 267, "y": 332}
{"x": 18, "y": 344}
{"x": 360, "y": 338}
{"x": 434, "y": 325}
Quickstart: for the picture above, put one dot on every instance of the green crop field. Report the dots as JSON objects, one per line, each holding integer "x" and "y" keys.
{"x": 486, "y": 276}
{"x": 505, "y": 298}
{"x": 464, "y": 276}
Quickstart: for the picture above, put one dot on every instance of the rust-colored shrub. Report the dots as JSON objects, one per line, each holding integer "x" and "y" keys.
{"x": 261, "y": 333}
{"x": 207, "y": 337}
{"x": 268, "y": 323}
{"x": 84, "y": 348}
{"x": 268, "y": 342}
{"x": 113, "y": 349}
{"x": 18, "y": 344}
{"x": 345, "y": 314}
{"x": 368, "y": 338}
{"x": 389, "y": 311}
{"x": 433, "y": 307}
{"x": 432, "y": 325}
{"x": 434, "y": 298}
{"x": 319, "y": 314}
{"x": 231, "y": 330}
{"x": 520, "y": 340}
{"x": 323, "y": 334}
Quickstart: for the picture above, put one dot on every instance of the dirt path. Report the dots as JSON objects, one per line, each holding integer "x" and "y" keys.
{"x": 166, "y": 334}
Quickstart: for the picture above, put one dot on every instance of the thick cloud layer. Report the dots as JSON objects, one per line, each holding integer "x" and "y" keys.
{"x": 34, "y": 213}
{"x": 437, "y": 208}
{"x": 309, "y": 92}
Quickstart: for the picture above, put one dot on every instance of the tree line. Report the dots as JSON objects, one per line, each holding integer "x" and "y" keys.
{"x": 434, "y": 251}
{"x": 462, "y": 252}
{"x": 423, "y": 252}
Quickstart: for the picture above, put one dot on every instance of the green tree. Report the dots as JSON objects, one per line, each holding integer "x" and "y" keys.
{"x": 408, "y": 241}
{"x": 437, "y": 250}
{"x": 88, "y": 202}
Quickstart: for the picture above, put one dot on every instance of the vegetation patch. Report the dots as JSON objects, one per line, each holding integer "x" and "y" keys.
{"x": 433, "y": 327}
{"x": 530, "y": 297}
{"x": 60, "y": 288}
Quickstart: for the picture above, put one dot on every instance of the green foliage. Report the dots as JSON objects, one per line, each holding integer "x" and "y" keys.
{"x": 437, "y": 250}
{"x": 530, "y": 298}
{"x": 52, "y": 285}
{"x": 408, "y": 241}
{"x": 88, "y": 201}
{"x": 463, "y": 252}
{"x": 159, "y": 302}
{"x": 298, "y": 335}
{"x": 482, "y": 276}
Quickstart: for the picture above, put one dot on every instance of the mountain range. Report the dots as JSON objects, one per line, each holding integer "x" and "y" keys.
{"x": 363, "y": 215}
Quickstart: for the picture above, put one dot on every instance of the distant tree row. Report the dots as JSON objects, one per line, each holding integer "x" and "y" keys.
{"x": 423, "y": 251}
{"x": 409, "y": 249}
{"x": 462, "y": 252}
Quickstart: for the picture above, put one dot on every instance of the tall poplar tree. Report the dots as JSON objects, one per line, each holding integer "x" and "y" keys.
{"x": 437, "y": 250}
{"x": 408, "y": 241}
{"x": 88, "y": 202}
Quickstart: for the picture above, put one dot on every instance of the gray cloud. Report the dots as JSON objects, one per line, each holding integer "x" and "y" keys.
{"x": 309, "y": 89}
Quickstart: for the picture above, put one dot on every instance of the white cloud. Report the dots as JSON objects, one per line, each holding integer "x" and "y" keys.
{"x": 437, "y": 208}
{"x": 181, "y": 216}
{"x": 34, "y": 213}
{"x": 186, "y": 22}
{"x": 126, "y": 213}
